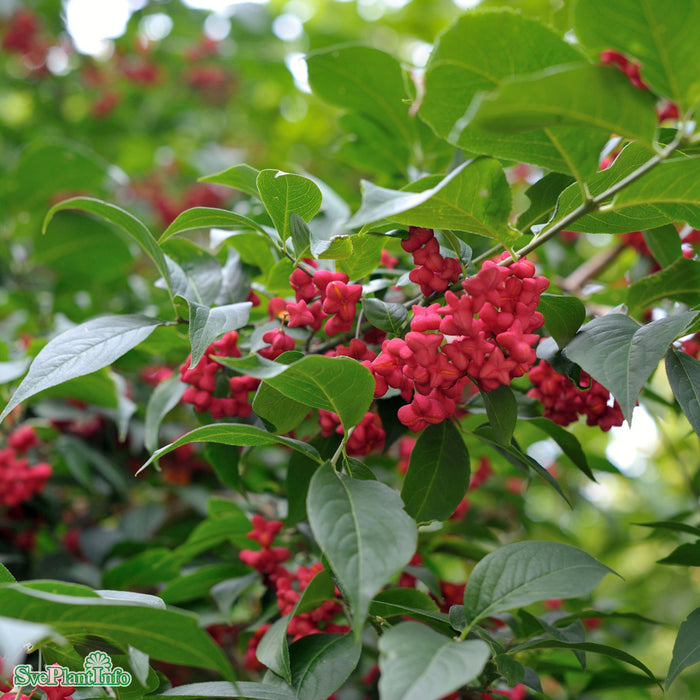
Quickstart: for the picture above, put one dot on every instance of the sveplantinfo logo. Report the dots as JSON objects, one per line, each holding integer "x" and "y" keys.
{"x": 97, "y": 670}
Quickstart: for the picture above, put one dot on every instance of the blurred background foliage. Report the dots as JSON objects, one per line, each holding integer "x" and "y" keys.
{"x": 181, "y": 93}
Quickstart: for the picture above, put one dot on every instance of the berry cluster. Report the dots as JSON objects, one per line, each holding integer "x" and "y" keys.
{"x": 19, "y": 480}
{"x": 433, "y": 273}
{"x": 206, "y": 382}
{"x": 288, "y": 587}
{"x": 629, "y": 68}
{"x": 367, "y": 435}
{"x": 24, "y": 38}
{"x": 564, "y": 402}
{"x": 485, "y": 335}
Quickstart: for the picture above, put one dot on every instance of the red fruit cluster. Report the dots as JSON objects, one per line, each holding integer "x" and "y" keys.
{"x": 485, "y": 335}
{"x": 368, "y": 434}
{"x": 564, "y": 402}
{"x": 204, "y": 383}
{"x": 692, "y": 346}
{"x": 434, "y": 272}
{"x": 337, "y": 301}
{"x": 629, "y": 68}
{"x": 288, "y": 587}
{"x": 23, "y": 37}
{"x": 19, "y": 480}
{"x": 519, "y": 692}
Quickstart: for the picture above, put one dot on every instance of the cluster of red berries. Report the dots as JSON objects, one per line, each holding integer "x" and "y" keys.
{"x": 53, "y": 692}
{"x": 204, "y": 382}
{"x": 692, "y": 346}
{"x": 19, "y": 480}
{"x": 434, "y": 273}
{"x": 23, "y": 37}
{"x": 367, "y": 435}
{"x": 564, "y": 401}
{"x": 485, "y": 335}
{"x": 288, "y": 587}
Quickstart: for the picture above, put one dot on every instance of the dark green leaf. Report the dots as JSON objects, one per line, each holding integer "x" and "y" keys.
{"x": 543, "y": 196}
{"x": 284, "y": 194}
{"x": 82, "y": 350}
{"x": 686, "y": 650}
{"x": 661, "y": 36}
{"x": 206, "y": 217}
{"x": 241, "y": 177}
{"x": 125, "y": 221}
{"x": 207, "y": 324}
{"x": 364, "y": 533}
{"x": 684, "y": 555}
{"x": 273, "y": 651}
{"x": 526, "y": 572}
{"x": 604, "y": 649}
{"x": 567, "y": 441}
{"x": 321, "y": 663}
{"x": 680, "y": 281}
{"x": 232, "y": 434}
{"x": 409, "y": 602}
{"x": 683, "y": 372}
{"x": 583, "y": 95}
{"x": 388, "y": 317}
{"x": 672, "y": 525}
{"x": 224, "y": 460}
{"x": 563, "y": 316}
{"x": 502, "y": 411}
{"x": 438, "y": 473}
{"x": 664, "y": 244}
{"x": 621, "y": 355}
{"x": 197, "y": 584}
{"x": 166, "y": 635}
{"x": 513, "y": 671}
{"x": 417, "y": 663}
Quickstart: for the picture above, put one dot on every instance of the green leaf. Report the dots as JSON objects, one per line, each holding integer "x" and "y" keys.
{"x": 301, "y": 235}
{"x": 683, "y": 372}
{"x": 218, "y": 689}
{"x": 661, "y": 36}
{"x": 680, "y": 281}
{"x": 273, "y": 651}
{"x": 207, "y": 217}
{"x": 526, "y": 572}
{"x": 672, "y": 525}
{"x": 387, "y": 317}
{"x": 672, "y": 187}
{"x": 321, "y": 663}
{"x": 364, "y": 533}
{"x": 164, "y": 398}
{"x": 502, "y": 411}
{"x": 365, "y": 257}
{"x": 226, "y": 593}
{"x": 621, "y": 355}
{"x": 474, "y": 197}
{"x": 197, "y": 275}
{"x": 664, "y": 244}
{"x": 338, "y": 384}
{"x": 207, "y": 324}
{"x": 146, "y": 568}
{"x": 567, "y": 441}
{"x": 563, "y": 316}
{"x": 417, "y": 663}
{"x": 582, "y": 95}
{"x": 165, "y": 635}
{"x": 477, "y": 54}
{"x": 234, "y": 434}
{"x": 364, "y": 80}
{"x": 5, "y": 575}
{"x": 543, "y": 196}
{"x": 686, "y": 649}
{"x": 121, "y": 218}
{"x": 253, "y": 249}
{"x": 224, "y": 460}
{"x": 684, "y": 555}
{"x": 409, "y": 602}
{"x": 197, "y": 584}
{"x": 82, "y": 350}
{"x": 438, "y": 473}
{"x": 241, "y": 177}
{"x": 284, "y": 194}
{"x": 591, "y": 647}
